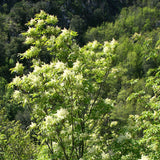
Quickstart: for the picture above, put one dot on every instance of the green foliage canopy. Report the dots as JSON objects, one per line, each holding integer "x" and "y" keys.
{"x": 65, "y": 95}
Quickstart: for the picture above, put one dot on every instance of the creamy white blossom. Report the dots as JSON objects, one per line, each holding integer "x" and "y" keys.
{"x": 56, "y": 147}
{"x": 61, "y": 114}
{"x": 60, "y": 65}
{"x": 67, "y": 73}
{"x": 49, "y": 120}
{"x": 16, "y": 80}
{"x": 83, "y": 135}
{"x": 106, "y": 47}
{"x": 37, "y": 69}
{"x": 18, "y": 68}
{"x": 105, "y": 156}
{"x": 64, "y": 32}
{"x": 95, "y": 44}
{"x": 34, "y": 79}
{"x": 40, "y": 22}
{"x": 113, "y": 43}
{"x": 32, "y": 21}
{"x": 109, "y": 46}
{"x": 108, "y": 101}
{"x": 76, "y": 65}
{"x": 144, "y": 158}
{"x": 114, "y": 70}
{"x": 29, "y": 40}
{"x": 31, "y": 30}
{"x": 32, "y": 125}
{"x": 79, "y": 78}
{"x": 16, "y": 94}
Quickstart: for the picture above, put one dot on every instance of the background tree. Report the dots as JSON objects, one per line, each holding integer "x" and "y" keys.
{"x": 14, "y": 142}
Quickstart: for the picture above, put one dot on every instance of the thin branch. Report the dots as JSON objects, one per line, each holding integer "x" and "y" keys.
{"x": 62, "y": 146}
{"x": 98, "y": 94}
{"x": 49, "y": 147}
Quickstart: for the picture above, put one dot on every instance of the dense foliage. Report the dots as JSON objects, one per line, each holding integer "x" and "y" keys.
{"x": 79, "y": 80}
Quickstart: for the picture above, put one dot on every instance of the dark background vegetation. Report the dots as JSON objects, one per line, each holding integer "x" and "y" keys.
{"x": 100, "y": 20}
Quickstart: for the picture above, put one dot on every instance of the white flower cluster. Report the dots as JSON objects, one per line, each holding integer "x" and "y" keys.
{"x": 79, "y": 79}
{"x": 29, "y": 40}
{"x": 64, "y": 32}
{"x": 44, "y": 38}
{"x": 60, "y": 66}
{"x": 32, "y": 125}
{"x": 31, "y": 30}
{"x": 37, "y": 69}
{"x": 76, "y": 65}
{"x": 105, "y": 156}
{"x": 34, "y": 79}
{"x": 18, "y": 68}
{"x": 108, "y": 101}
{"x": 144, "y": 158}
{"x": 16, "y": 80}
{"x": 55, "y": 146}
{"x": 67, "y": 74}
{"x": 106, "y": 47}
{"x": 32, "y": 22}
{"x": 114, "y": 70}
{"x": 128, "y": 135}
{"x": 40, "y": 23}
{"x": 113, "y": 43}
{"x": 34, "y": 50}
{"x": 16, "y": 94}
{"x": 95, "y": 44}
{"x": 61, "y": 114}
{"x": 49, "y": 120}
{"x": 109, "y": 46}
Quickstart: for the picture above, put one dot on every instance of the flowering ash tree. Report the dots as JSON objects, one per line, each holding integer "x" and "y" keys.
{"x": 64, "y": 91}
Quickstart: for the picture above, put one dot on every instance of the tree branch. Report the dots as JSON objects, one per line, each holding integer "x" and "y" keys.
{"x": 97, "y": 95}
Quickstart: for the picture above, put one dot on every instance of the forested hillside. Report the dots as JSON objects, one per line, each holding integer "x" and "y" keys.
{"x": 79, "y": 80}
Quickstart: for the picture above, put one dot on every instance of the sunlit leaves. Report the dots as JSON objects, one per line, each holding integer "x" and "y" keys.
{"x": 18, "y": 68}
{"x": 32, "y": 52}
